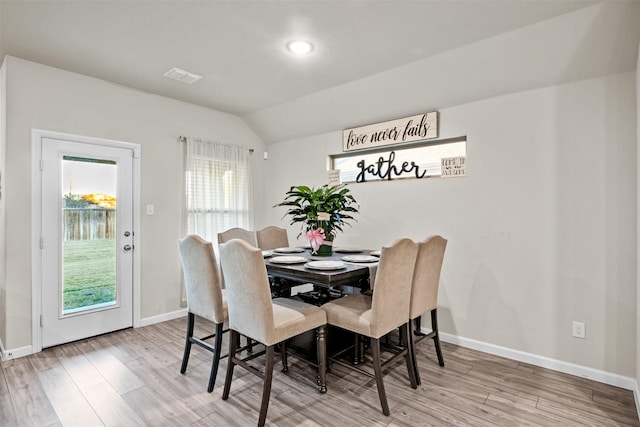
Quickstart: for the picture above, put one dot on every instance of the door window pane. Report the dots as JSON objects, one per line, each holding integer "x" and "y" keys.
{"x": 89, "y": 234}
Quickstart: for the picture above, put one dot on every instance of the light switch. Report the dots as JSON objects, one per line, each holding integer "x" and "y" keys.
{"x": 150, "y": 210}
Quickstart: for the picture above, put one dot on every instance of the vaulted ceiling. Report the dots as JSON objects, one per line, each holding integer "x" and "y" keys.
{"x": 239, "y": 46}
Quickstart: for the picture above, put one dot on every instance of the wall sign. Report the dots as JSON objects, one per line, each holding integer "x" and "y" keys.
{"x": 409, "y": 129}
{"x": 454, "y": 167}
{"x": 333, "y": 177}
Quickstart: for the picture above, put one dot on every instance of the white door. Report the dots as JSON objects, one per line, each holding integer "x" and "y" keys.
{"x": 87, "y": 240}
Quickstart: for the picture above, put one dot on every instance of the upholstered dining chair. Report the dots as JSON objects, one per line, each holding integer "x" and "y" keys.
{"x": 254, "y": 314}
{"x": 205, "y": 298}
{"x": 376, "y": 315}
{"x": 238, "y": 233}
{"x": 272, "y": 237}
{"x": 248, "y": 236}
{"x": 424, "y": 293}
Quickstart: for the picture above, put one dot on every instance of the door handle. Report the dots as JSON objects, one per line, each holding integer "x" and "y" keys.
{"x": 127, "y": 248}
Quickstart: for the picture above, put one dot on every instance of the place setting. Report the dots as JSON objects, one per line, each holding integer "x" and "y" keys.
{"x": 360, "y": 258}
{"x": 287, "y": 259}
{"x": 289, "y": 250}
{"x": 325, "y": 265}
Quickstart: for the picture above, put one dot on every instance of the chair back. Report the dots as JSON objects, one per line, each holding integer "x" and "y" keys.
{"x": 392, "y": 287}
{"x": 248, "y": 292}
{"x": 272, "y": 237}
{"x": 238, "y": 233}
{"x": 426, "y": 277}
{"x": 201, "y": 278}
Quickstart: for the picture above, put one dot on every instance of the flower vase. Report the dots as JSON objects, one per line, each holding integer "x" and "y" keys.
{"x": 326, "y": 248}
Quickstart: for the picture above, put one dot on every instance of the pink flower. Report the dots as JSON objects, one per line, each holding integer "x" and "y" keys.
{"x": 316, "y": 238}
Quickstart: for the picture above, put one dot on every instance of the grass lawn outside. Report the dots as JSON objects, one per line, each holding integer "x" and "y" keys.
{"x": 89, "y": 272}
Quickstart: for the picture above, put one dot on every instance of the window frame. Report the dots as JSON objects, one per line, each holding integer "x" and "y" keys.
{"x": 331, "y": 162}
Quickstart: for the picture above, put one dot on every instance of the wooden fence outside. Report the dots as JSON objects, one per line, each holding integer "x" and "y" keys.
{"x": 89, "y": 224}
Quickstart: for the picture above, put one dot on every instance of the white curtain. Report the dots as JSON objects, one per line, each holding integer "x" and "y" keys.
{"x": 217, "y": 188}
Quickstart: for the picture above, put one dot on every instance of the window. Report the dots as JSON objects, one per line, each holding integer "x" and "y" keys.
{"x": 217, "y": 188}
{"x": 419, "y": 160}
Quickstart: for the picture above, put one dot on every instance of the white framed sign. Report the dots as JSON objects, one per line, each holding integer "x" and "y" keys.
{"x": 454, "y": 167}
{"x": 334, "y": 177}
{"x": 408, "y": 129}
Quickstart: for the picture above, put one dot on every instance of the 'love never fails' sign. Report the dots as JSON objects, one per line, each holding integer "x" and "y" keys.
{"x": 409, "y": 129}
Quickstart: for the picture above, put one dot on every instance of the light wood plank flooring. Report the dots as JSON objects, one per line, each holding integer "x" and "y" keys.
{"x": 131, "y": 378}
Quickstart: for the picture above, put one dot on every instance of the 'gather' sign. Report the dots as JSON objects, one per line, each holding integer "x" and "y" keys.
{"x": 409, "y": 129}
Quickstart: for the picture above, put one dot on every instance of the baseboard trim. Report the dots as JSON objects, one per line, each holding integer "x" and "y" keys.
{"x": 637, "y": 397}
{"x": 163, "y": 317}
{"x": 17, "y": 352}
{"x": 617, "y": 380}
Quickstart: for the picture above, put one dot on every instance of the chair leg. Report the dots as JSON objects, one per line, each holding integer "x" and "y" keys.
{"x": 283, "y": 356}
{"x": 406, "y": 344}
{"x": 321, "y": 345}
{"x": 187, "y": 344}
{"x": 377, "y": 368}
{"x": 266, "y": 389}
{"x": 216, "y": 357}
{"x": 436, "y": 336}
{"x": 234, "y": 340}
{"x": 412, "y": 349}
{"x": 418, "y": 326}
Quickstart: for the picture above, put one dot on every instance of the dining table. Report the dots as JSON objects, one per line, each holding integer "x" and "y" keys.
{"x": 352, "y": 268}
{"x": 347, "y": 271}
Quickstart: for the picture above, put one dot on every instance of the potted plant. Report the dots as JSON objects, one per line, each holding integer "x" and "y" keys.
{"x": 321, "y": 211}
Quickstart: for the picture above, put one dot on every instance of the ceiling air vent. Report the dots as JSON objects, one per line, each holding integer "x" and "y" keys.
{"x": 182, "y": 75}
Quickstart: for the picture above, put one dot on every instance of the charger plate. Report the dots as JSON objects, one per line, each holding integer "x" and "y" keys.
{"x": 325, "y": 265}
{"x": 288, "y": 250}
{"x": 360, "y": 258}
{"x": 288, "y": 260}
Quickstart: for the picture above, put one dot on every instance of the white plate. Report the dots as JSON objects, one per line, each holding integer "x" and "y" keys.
{"x": 288, "y": 250}
{"x": 325, "y": 265}
{"x": 375, "y": 253}
{"x": 348, "y": 250}
{"x": 288, "y": 259}
{"x": 266, "y": 254}
{"x": 360, "y": 258}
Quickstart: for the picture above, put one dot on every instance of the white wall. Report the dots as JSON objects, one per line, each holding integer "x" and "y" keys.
{"x": 638, "y": 237}
{"x": 52, "y": 99}
{"x": 3, "y": 139}
{"x": 541, "y": 232}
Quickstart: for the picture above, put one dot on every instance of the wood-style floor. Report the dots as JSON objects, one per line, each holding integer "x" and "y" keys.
{"x": 131, "y": 378}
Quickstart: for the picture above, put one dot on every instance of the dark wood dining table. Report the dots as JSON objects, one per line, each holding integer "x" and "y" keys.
{"x": 353, "y": 278}
{"x": 355, "y": 275}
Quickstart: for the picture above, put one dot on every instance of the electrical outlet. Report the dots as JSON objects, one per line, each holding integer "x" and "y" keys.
{"x": 579, "y": 330}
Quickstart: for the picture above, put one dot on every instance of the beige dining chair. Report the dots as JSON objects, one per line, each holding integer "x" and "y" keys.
{"x": 424, "y": 293}
{"x": 254, "y": 314}
{"x": 272, "y": 237}
{"x": 238, "y": 233}
{"x": 385, "y": 310}
{"x": 205, "y": 298}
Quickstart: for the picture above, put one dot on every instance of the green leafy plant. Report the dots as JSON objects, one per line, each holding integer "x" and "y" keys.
{"x": 329, "y": 208}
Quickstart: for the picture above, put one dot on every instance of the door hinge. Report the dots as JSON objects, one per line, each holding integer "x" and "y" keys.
{"x": 41, "y": 242}
{"x": 41, "y": 321}
{"x": 41, "y": 165}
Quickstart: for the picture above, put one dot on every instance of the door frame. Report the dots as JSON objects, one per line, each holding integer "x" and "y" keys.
{"x": 36, "y": 223}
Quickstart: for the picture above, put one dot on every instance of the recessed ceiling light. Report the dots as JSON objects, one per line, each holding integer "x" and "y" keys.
{"x": 182, "y": 75}
{"x": 299, "y": 47}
